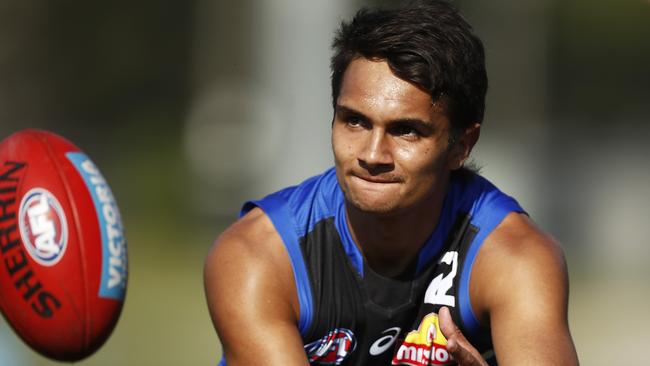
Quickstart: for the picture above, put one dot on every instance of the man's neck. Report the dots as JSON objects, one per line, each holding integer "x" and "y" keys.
{"x": 389, "y": 243}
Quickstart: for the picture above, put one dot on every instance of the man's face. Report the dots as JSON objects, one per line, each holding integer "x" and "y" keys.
{"x": 390, "y": 141}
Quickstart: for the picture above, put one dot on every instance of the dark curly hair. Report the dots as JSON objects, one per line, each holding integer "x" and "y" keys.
{"x": 427, "y": 43}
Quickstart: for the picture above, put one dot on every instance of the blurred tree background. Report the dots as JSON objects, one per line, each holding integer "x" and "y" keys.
{"x": 191, "y": 107}
{"x": 115, "y": 78}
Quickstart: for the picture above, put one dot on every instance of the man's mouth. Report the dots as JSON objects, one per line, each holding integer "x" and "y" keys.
{"x": 377, "y": 179}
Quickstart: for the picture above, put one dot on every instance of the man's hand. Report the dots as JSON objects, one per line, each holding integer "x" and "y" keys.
{"x": 457, "y": 345}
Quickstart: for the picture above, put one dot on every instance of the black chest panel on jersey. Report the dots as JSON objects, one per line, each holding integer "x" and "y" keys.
{"x": 364, "y": 320}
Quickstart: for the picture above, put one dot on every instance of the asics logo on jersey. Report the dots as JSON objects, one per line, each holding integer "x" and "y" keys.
{"x": 382, "y": 344}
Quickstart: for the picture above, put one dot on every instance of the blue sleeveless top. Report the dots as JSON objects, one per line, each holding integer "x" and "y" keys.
{"x": 311, "y": 220}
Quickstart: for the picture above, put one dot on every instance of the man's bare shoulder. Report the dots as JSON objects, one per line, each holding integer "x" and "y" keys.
{"x": 519, "y": 287}
{"x": 515, "y": 259}
{"x": 248, "y": 261}
{"x": 518, "y": 238}
{"x": 248, "y": 277}
{"x": 252, "y": 237}
{"x": 250, "y": 241}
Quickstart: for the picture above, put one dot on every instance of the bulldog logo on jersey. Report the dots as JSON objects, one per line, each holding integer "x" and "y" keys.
{"x": 332, "y": 349}
{"x": 43, "y": 226}
{"x": 424, "y": 346}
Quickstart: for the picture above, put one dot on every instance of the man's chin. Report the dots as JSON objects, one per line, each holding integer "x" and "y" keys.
{"x": 381, "y": 209}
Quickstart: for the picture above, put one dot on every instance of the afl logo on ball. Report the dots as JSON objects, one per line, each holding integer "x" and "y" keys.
{"x": 43, "y": 226}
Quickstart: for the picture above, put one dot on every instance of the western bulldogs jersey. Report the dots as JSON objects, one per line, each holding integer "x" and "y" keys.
{"x": 350, "y": 315}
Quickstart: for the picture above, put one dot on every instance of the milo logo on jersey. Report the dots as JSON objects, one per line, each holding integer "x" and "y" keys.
{"x": 424, "y": 346}
{"x": 332, "y": 349}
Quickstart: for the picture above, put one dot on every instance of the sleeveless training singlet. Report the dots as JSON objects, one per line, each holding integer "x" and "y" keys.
{"x": 350, "y": 315}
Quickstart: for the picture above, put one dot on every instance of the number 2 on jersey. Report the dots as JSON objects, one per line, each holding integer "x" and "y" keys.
{"x": 437, "y": 291}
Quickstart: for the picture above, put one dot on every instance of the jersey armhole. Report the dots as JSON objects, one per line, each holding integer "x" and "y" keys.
{"x": 484, "y": 224}
{"x": 277, "y": 210}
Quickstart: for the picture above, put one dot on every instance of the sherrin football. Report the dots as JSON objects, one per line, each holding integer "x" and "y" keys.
{"x": 63, "y": 260}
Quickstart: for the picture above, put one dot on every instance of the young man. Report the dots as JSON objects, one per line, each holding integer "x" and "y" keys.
{"x": 398, "y": 255}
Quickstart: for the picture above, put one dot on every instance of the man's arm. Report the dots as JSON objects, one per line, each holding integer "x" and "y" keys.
{"x": 519, "y": 286}
{"x": 251, "y": 295}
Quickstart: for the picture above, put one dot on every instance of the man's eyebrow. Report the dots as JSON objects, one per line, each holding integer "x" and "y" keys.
{"x": 347, "y": 110}
{"x": 412, "y": 121}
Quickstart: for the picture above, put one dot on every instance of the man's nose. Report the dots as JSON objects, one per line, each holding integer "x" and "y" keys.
{"x": 376, "y": 152}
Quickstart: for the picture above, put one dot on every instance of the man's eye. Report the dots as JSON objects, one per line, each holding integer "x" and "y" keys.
{"x": 355, "y": 121}
{"x": 405, "y": 131}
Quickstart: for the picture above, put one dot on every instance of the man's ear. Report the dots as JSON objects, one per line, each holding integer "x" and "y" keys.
{"x": 463, "y": 146}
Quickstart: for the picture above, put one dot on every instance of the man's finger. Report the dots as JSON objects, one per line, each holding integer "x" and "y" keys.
{"x": 457, "y": 345}
{"x": 451, "y": 332}
{"x": 447, "y": 325}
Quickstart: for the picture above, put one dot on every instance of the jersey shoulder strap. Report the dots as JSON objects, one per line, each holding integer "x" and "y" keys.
{"x": 486, "y": 208}
{"x": 294, "y": 211}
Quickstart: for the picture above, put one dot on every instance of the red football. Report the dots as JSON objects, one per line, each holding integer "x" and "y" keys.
{"x": 63, "y": 261}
